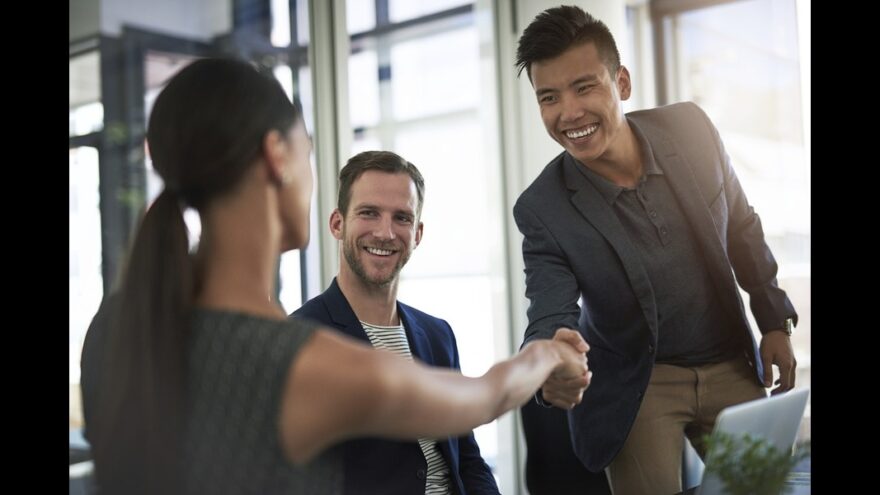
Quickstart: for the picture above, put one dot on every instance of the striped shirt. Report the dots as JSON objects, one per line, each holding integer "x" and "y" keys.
{"x": 394, "y": 339}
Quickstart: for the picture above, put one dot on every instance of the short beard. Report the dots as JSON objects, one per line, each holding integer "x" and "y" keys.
{"x": 350, "y": 251}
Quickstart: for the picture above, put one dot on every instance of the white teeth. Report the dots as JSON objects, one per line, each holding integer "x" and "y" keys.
{"x": 580, "y": 134}
{"x": 379, "y": 252}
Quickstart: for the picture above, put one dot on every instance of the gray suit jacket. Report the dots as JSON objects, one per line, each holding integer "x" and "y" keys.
{"x": 575, "y": 248}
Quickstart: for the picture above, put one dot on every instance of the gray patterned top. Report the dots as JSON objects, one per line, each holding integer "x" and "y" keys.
{"x": 237, "y": 368}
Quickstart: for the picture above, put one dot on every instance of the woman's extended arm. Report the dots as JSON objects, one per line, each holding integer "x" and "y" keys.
{"x": 339, "y": 388}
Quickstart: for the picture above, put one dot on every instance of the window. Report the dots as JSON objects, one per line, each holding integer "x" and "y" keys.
{"x": 86, "y": 277}
{"x": 86, "y": 110}
{"x": 86, "y": 283}
{"x": 746, "y": 64}
{"x": 402, "y": 10}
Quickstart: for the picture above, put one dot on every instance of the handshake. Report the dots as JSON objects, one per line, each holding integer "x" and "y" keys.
{"x": 565, "y": 386}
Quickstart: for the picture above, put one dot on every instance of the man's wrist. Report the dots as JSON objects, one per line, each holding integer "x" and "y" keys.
{"x": 539, "y": 398}
{"x": 786, "y": 327}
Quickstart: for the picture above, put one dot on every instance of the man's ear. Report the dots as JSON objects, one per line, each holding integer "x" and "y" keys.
{"x": 624, "y": 83}
{"x": 337, "y": 222}
{"x": 419, "y": 230}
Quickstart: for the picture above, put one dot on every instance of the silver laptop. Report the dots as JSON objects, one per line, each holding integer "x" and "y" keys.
{"x": 775, "y": 419}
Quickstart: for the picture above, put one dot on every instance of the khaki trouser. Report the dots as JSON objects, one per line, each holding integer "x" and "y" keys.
{"x": 679, "y": 401}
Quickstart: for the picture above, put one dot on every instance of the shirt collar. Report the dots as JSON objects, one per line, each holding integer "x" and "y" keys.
{"x": 609, "y": 190}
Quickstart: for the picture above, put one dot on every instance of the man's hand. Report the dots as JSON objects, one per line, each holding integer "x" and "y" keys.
{"x": 776, "y": 349}
{"x": 565, "y": 386}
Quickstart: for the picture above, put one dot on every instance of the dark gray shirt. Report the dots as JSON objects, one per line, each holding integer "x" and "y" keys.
{"x": 693, "y": 329}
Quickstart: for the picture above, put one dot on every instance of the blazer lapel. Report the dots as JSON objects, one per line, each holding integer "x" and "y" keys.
{"x": 681, "y": 179}
{"x": 590, "y": 203}
{"x": 341, "y": 313}
{"x": 418, "y": 339}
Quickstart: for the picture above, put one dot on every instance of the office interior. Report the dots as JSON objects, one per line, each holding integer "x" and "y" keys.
{"x": 434, "y": 80}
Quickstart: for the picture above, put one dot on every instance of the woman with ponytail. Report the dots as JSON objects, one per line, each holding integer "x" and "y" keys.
{"x": 194, "y": 381}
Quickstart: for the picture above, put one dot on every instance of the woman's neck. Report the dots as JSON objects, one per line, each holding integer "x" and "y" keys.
{"x": 238, "y": 257}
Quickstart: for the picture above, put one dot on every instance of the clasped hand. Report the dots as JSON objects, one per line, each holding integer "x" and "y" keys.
{"x": 565, "y": 386}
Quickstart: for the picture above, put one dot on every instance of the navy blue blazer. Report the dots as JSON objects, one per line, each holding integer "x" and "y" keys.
{"x": 374, "y": 465}
{"x": 575, "y": 248}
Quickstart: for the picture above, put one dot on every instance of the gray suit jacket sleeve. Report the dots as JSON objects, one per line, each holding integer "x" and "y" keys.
{"x": 550, "y": 282}
{"x": 753, "y": 263}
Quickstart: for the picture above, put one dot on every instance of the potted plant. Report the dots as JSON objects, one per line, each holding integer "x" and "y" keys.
{"x": 750, "y": 466}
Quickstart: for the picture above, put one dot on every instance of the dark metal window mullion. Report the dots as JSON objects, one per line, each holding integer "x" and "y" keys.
{"x": 383, "y": 16}
{"x": 389, "y": 27}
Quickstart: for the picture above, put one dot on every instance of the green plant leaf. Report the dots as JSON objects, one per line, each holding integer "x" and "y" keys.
{"x": 748, "y": 465}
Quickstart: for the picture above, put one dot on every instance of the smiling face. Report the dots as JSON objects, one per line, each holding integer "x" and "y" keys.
{"x": 380, "y": 230}
{"x": 580, "y": 101}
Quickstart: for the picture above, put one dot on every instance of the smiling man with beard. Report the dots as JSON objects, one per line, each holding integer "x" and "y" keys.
{"x": 377, "y": 221}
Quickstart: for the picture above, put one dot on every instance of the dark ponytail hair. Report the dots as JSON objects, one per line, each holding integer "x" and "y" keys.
{"x": 205, "y": 131}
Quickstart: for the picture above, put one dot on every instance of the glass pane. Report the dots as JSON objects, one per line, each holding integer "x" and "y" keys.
{"x": 361, "y": 15}
{"x": 290, "y": 273}
{"x": 636, "y": 53}
{"x": 435, "y": 74}
{"x": 86, "y": 110}
{"x": 285, "y": 77}
{"x": 363, "y": 92}
{"x": 86, "y": 119}
{"x": 302, "y": 22}
{"x": 280, "y": 32}
{"x": 458, "y": 300}
{"x": 86, "y": 279}
{"x": 365, "y": 142}
{"x": 451, "y": 224}
{"x": 154, "y": 182}
{"x": 741, "y": 63}
{"x": 306, "y": 97}
{"x": 723, "y": 48}
{"x": 401, "y": 10}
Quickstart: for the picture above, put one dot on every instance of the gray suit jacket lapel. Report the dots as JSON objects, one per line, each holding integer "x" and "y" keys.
{"x": 590, "y": 203}
{"x": 681, "y": 180}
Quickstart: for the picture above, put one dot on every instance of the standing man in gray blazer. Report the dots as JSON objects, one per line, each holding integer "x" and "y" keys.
{"x": 643, "y": 221}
